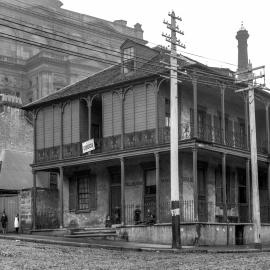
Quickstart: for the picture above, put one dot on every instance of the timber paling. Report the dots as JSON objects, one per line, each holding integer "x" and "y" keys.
{"x": 92, "y": 233}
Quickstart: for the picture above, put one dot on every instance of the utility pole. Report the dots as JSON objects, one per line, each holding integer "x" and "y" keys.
{"x": 248, "y": 76}
{"x": 175, "y": 205}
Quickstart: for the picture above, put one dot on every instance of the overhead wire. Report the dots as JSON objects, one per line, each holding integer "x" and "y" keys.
{"x": 83, "y": 24}
{"x": 218, "y": 76}
{"x": 85, "y": 56}
{"x": 77, "y": 45}
{"x": 53, "y": 12}
{"x": 33, "y": 43}
{"x": 72, "y": 39}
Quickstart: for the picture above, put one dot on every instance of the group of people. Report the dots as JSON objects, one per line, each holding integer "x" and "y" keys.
{"x": 4, "y": 222}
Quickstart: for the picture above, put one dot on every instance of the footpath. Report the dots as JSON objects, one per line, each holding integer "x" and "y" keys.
{"x": 130, "y": 246}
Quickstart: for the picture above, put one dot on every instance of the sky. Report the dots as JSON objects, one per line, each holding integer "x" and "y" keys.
{"x": 209, "y": 26}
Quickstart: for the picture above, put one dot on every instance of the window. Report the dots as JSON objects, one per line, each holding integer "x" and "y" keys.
{"x": 218, "y": 178}
{"x": 167, "y": 113}
{"x": 230, "y": 185}
{"x": 150, "y": 182}
{"x": 95, "y": 131}
{"x": 82, "y": 192}
{"x": 53, "y": 180}
{"x": 128, "y": 60}
{"x": 242, "y": 187}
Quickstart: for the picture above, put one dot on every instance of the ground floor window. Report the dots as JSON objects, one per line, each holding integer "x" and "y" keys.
{"x": 53, "y": 180}
{"x": 230, "y": 186}
{"x": 82, "y": 192}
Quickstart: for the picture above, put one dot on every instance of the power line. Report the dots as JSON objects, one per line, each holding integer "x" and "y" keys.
{"x": 65, "y": 51}
{"x": 85, "y": 56}
{"x": 78, "y": 54}
{"x": 99, "y": 51}
{"x": 96, "y": 25}
{"x": 53, "y": 17}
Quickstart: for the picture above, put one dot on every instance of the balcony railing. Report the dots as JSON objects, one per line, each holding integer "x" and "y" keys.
{"x": 139, "y": 139}
{"x": 47, "y": 154}
{"x": 207, "y": 212}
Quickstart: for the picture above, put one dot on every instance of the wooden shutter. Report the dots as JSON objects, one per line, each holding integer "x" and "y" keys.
{"x": 116, "y": 114}
{"x": 140, "y": 108}
{"x": 40, "y": 130}
{"x": 218, "y": 180}
{"x": 208, "y": 127}
{"x": 150, "y": 108}
{"x": 67, "y": 124}
{"x": 57, "y": 125}
{"x": 192, "y": 122}
{"x": 48, "y": 126}
{"x": 73, "y": 194}
{"x": 191, "y": 116}
{"x": 93, "y": 192}
{"x": 107, "y": 114}
{"x": 129, "y": 112}
{"x": 229, "y": 132}
{"x": 75, "y": 121}
{"x": 217, "y": 129}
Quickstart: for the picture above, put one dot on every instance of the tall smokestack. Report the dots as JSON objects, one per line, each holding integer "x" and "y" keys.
{"x": 242, "y": 36}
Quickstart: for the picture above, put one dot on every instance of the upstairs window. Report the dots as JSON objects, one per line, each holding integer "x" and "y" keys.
{"x": 167, "y": 113}
{"x": 128, "y": 60}
{"x": 53, "y": 180}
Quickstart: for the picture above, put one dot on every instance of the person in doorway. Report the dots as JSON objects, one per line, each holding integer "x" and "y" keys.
{"x": 4, "y": 221}
{"x": 16, "y": 223}
{"x": 137, "y": 215}
{"x": 150, "y": 217}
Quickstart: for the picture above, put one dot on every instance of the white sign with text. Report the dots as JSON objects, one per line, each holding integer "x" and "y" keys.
{"x": 88, "y": 146}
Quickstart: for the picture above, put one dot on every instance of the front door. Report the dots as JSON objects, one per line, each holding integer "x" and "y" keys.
{"x": 202, "y": 197}
{"x": 150, "y": 196}
{"x": 115, "y": 196}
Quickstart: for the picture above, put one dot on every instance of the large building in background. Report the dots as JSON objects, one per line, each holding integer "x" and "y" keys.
{"x": 39, "y": 54}
{"x": 32, "y": 72}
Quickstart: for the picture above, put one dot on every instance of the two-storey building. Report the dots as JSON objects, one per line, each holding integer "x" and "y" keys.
{"x": 126, "y": 110}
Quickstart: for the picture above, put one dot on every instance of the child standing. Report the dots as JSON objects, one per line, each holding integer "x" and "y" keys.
{"x": 16, "y": 223}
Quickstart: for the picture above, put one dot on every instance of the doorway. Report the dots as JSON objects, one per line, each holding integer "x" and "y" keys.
{"x": 202, "y": 194}
{"x": 150, "y": 195}
{"x": 115, "y": 195}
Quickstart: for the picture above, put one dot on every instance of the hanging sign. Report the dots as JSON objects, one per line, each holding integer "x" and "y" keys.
{"x": 88, "y": 146}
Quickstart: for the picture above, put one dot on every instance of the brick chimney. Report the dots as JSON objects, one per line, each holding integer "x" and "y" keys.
{"x": 242, "y": 36}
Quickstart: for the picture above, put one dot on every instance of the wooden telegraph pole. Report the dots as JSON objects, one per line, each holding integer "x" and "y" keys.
{"x": 175, "y": 205}
{"x": 247, "y": 76}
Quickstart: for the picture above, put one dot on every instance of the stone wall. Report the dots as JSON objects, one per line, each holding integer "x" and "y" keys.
{"x": 25, "y": 210}
{"x": 47, "y": 214}
{"x": 16, "y": 132}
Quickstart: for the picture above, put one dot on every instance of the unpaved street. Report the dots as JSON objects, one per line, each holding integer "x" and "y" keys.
{"x": 24, "y": 255}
